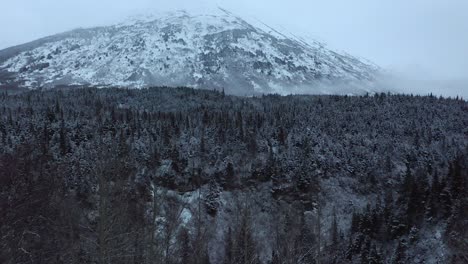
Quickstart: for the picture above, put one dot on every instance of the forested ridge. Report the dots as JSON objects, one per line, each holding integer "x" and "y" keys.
{"x": 178, "y": 175}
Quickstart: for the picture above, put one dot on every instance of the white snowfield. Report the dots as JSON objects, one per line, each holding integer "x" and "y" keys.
{"x": 215, "y": 51}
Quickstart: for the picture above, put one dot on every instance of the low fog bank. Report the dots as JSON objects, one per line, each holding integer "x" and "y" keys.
{"x": 385, "y": 84}
{"x": 445, "y": 88}
{"x": 328, "y": 87}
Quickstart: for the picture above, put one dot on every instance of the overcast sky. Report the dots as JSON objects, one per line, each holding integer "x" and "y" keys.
{"x": 423, "y": 39}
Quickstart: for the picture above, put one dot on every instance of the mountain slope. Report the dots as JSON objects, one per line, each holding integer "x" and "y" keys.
{"x": 179, "y": 49}
{"x": 386, "y": 174}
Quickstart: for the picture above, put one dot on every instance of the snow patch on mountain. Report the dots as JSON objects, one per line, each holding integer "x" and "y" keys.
{"x": 214, "y": 51}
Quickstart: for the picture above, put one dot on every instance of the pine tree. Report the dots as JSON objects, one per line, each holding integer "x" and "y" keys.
{"x": 355, "y": 222}
{"x": 229, "y": 176}
{"x": 245, "y": 244}
{"x": 375, "y": 257}
{"x": 366, "y": 251}
{"x": 212, "y": 198}
{"x": 202, "y": 144}
{"x": 399, "y": 257}
{"x": 45, "y": 140}
{"x": 154, "y": 160}
{"x": 446, "y": 201}
{"x": 304, "y": 243}
{"x": 185, "y": 247}
{"x": 408, "y": 182}
{"x": 63, "y": 139}
{"x": 433, "y": 203}
{"x": 228, "y": 247}
{"x": 413, "y": 205}
{"x": 275, "y": 259}
{"x": 282, "y": 136}
{"x": 205, "y": 258}
{"x": 457, "y": 181}
{"x": 387, "y": 214}
{"x": 334, "y": 233}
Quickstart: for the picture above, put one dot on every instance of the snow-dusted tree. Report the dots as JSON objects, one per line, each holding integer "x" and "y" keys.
{"x": 212, "y": 201}
{"x": 399, "y": 256}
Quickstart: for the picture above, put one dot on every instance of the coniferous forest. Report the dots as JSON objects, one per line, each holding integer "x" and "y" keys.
{"x": 177, "y": 175}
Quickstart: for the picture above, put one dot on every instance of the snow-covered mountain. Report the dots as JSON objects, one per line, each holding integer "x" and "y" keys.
{"x": 215, "y": 51}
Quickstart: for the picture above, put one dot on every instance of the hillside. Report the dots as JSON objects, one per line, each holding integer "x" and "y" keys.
{"x": 179, "y": 175}
{"x": 212, "y": 51}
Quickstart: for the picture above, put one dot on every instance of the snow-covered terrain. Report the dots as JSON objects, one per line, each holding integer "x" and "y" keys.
{"x": 177, "y": 175}
{"x": 214, "y": 51}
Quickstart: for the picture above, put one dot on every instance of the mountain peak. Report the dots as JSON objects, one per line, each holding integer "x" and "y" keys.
{"x": 214, "y": 49}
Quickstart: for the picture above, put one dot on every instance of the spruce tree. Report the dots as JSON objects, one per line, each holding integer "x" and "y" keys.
{"x": 399, "y": 256}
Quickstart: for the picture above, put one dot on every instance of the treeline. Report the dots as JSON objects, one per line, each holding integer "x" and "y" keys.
{"x": 177, "y": 175}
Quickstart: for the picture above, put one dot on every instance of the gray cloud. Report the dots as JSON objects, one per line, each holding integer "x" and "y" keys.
{"x": 423, "y": 39}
